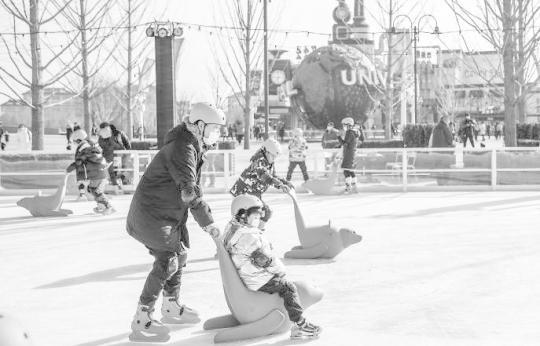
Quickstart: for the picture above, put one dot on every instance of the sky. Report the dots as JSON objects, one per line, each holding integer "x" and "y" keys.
{"x": 198, "y": 63}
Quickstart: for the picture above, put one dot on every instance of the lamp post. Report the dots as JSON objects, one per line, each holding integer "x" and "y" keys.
{"x": 265, "y": 72}
{"x": 415, "y": 30}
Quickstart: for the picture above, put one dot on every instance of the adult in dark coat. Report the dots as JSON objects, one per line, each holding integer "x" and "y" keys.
{"x": 330, "y": 137}
{"x": 111, "y": 139}
{"x": 442, "y": 137}
{"x": 467, "y": 130}
{"x": 349, "y": 143}
{"x": 159, "y": 209}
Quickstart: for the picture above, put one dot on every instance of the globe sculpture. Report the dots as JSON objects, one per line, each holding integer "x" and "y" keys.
{"x": 337, "y": 81}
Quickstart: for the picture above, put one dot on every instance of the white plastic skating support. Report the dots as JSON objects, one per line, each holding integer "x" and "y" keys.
{"x": 253, "y": 314}
{"x": 326, "y": 241}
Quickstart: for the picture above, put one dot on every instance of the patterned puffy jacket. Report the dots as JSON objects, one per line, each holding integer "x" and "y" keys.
{"x": 89, "y": 162}
{"x": 298, "y": 149}
{"x": 252, "y": 255}
{"x": 257, "y": 177}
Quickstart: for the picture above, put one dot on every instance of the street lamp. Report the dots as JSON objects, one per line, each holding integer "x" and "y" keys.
{"x": 415, "y": 31}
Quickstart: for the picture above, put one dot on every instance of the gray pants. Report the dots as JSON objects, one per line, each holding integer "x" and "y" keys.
{"x": 97, "y": 189}
{"x": 166, "y": 275}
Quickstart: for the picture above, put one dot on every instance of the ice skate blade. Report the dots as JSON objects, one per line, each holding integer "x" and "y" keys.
{"x": 137, "y": 336}
{"x": 181, "y": 320}
{"x": 306, "y": 338}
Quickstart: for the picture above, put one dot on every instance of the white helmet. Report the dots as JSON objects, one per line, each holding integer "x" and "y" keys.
{"x": 347, "y": 121}
{"x": 79, "y": 135}
{"x": 12, "y": 333}
{"x": 244, "y": 202}
{"x": 206, "y": 113}
{"x": 272, "y": 146}
{"x": 298, "y": 132}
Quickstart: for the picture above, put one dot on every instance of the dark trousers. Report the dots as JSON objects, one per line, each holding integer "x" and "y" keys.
{"x": 113, "y": 174}
{"x": 166, "y": 275}
{"x": 348, "y": 173}
{"x": 292, "y": 166}
{"x": 97, "y": 189}
{"x": 468, "y": 136}
{"x": 286, "y": 290}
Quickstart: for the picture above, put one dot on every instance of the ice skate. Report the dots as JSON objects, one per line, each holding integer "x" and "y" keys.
{"x": 174, "y": 313}
{"x": 304, "y": 330}
{"x": 99, "y": 209}
{"x": 347, "y": 189}
{"x": 145, "y": 328}
{"x": 82, "y": 198}
{"x": 109, "y": 210}
{"x": 354, "y": 189}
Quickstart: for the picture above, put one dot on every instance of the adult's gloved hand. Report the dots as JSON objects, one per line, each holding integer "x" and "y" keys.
{"x": 213, "y": 230}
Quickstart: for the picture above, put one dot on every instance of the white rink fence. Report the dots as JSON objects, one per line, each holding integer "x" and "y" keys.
{"x": 397, "y": 169}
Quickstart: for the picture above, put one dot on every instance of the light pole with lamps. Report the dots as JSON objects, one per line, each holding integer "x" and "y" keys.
{"x": 415, "y": 31}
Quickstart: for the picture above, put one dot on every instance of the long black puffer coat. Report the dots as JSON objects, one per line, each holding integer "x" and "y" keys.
{"x": 168, "y": 189}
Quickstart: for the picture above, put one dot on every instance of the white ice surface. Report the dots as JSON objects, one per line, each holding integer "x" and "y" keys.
{"x": 433, "y": 269}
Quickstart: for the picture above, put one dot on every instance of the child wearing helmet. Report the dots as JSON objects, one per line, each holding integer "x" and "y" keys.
{"x": 297, "y": 154}
{"x": 260, "y": 174}
{"x": 258, "y": 267}
{"x": 349, "y": 142}
{"x": 90, "y": 165}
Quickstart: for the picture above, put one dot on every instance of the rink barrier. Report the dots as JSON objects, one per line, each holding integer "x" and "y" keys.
{"x": 43, "y": 170}
{"x": 218, "y": 166}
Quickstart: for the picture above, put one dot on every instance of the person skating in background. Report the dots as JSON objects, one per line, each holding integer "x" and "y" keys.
{"x": 482, "y": 130}
{"x": 22, "y": 140}
{"x": 330, "y": 137}
{"x": 330, "y": 140}
{"x": 168, "y": 191}
{"x": 260, "y": 174}
{"x": 111, "y": 139}
{"x": 91, "y": 166}
{"x": 442, "y": 136}
{"x": 281, "y": 133}
{"x": 499, "y": 130}
{"x": 4, "y": 137}
{"x": 467, "y": 130}
{"x": 349, "y": 141}
{"x": 297, "y": 154}
{"x": 258, "y": 266}
{"x": 69, "y": 133}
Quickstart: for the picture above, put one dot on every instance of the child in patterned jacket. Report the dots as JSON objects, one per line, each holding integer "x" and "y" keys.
{"x": 297, "y": 154}
{"x": 258, "y": 267}
{"x": 260, "y": 174}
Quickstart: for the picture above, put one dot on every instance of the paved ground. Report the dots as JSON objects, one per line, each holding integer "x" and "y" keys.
{"x": 433, "y": 269}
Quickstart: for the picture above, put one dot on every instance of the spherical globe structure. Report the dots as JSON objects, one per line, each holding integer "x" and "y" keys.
{"x": 335, "y": 82}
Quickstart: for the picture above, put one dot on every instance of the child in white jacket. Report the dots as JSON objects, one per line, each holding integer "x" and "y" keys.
{"x": 258, "y": 267}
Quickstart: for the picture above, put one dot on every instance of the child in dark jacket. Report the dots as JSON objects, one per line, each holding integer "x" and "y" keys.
{"x": 258, "y": 267}
{"x": 91, "y": 165}
{"x": 349, "y": 143}
{"x": 260, "y": 174}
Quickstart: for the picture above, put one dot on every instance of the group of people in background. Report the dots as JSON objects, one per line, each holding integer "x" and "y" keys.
{"x": 94, "y": 163}
{"x": 18, "y": 141}
{"x": 468, "y": 131}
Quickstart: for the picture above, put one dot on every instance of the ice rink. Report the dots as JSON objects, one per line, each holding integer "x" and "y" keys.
{"x": 436, "y": 268}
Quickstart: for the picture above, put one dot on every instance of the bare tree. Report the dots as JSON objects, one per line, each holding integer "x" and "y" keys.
{"x": 31, "y": 71}
{"x": 105, "y": 102}
{"x": 509, "y": 26}
{"x": 91, "y": 21}
{"x": 388, "y": 10}
{"x": 240, "y": 52}
{"x": 131, "y": 54}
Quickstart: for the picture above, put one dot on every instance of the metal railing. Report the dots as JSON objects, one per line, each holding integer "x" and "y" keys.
{"x": 377, "y": 169}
